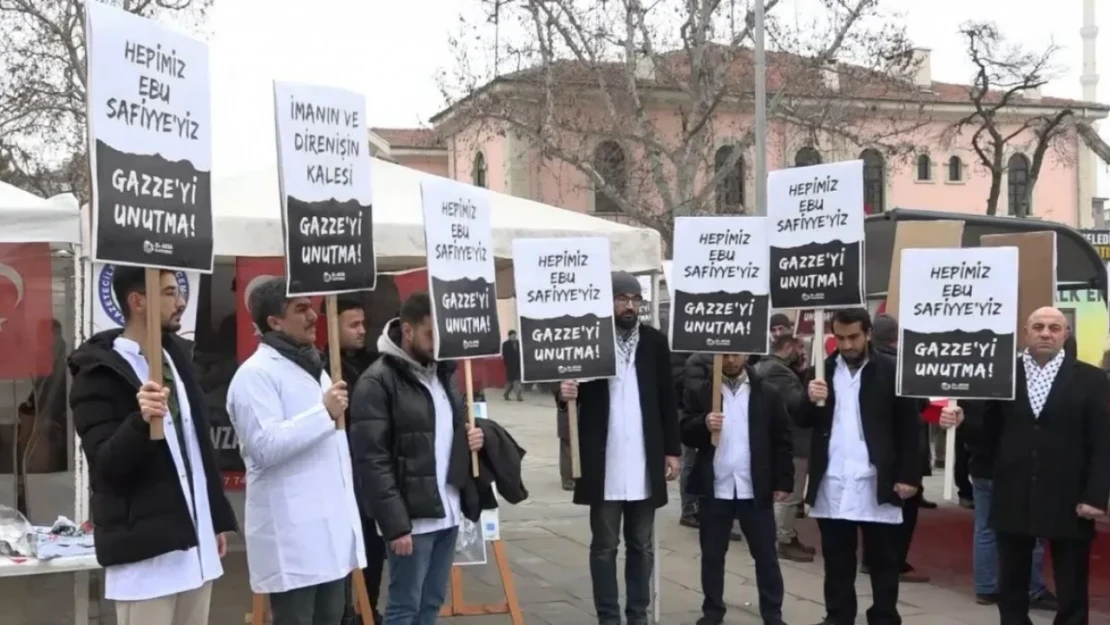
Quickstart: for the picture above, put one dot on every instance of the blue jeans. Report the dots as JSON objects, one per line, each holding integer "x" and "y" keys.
{"x": 418, "y": 582}
{"x": 985, "y": 555}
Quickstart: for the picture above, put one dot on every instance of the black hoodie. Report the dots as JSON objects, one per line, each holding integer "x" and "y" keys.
{"x": 138, "y": 507}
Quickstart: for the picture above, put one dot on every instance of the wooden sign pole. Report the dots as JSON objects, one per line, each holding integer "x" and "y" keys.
{"x": 819, "y": 348}
{"x": 572, "y": 433}
{"x": 458, "y": 606}
{"x": 950, "y": 458}
{"x": 718, "y": 371}
{"x": 331, "y": 306}
{"x": 154, "y": 341}
{"x": 468, "y": 373}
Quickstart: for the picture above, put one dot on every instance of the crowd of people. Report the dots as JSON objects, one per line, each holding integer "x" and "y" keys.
{"x": 832, "y": 440}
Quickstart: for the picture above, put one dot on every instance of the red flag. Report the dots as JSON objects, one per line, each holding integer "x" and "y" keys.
{"x": 26, "y": 311}
{"x": 410, "y": 282}
{"x": 931, "y": 414}
{"x": 249, "y": 273}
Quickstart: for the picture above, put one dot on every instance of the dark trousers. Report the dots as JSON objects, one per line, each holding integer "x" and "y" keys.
{"x": 605, "y": 526}
{"x": 882, "y": 542}
{"x": 1071, "y": 560}
{"x": 565, "y": 473}
{"x": 910, "y": 509}
{"x": 375, "y": 562}
{"x": 322, "y": 604}
{"x": 960, "y": 475}
{"x": 689, "y": 502}
{"x": 757, "y": 521}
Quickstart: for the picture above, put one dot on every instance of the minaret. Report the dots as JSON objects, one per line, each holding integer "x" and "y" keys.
{"x": 1089, "y": 163}
{"x": 1089, "y": 33}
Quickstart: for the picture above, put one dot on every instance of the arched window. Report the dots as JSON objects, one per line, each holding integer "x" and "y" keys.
{"x": 610, "y": 164}
{"x": 479, "y": 170}
{"x": 807, "y": 156}
{"x": 874, "y": 181}
{"x": 1017, "y": 182}
{"x": 924, "y": 168}
{"x": 730, "y": 187}
{"x": 955, "y": 169}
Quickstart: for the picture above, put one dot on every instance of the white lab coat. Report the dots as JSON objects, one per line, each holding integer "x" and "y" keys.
{"x": 302, "y": 523}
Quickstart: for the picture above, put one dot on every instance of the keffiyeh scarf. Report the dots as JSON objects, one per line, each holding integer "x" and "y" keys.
{"x": 626, "y": 345}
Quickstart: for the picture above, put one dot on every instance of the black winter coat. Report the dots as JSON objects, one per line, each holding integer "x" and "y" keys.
{"x": 777, "y": 373}
{"x": 658, "y": 409}
{"x": 139, "y": 510}
{"x": 393, "y": 427}
{"x": 1043, "y": 467}
{"x": 510, "y": 355}
{"x": 891, "y": 429}
{"x": 772, "y": 455}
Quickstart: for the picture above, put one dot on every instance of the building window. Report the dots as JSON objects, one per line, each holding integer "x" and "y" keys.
{"x": 609, "y": 162}
{"x": 924, "y": 168}
{"x": 807, "y": 156}
{"x": 1017, "y": 182}
{"x": 730, "y": 186}
{"x": 480, "y": 170}
{"x": 874, "y": 181}
{"x": 955, "y": 169}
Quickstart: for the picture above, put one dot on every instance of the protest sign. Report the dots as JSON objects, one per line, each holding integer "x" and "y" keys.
{"x": 150, "y": 142}
{"x": 564, "y": 293}
{"x": 461, "y": 273}
{"x": 816, "y": 236}
{"x": 721, "y": 283}
{"x": 1037, "y": 267}
{"x": 957, "y": 324}
{"x": 324, "y": 167}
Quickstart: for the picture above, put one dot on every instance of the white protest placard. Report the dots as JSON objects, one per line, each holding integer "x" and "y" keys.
{"x": 720, "y": 301}
{"x": 324, "y": 168}
{"x": 461, "y": 274}
{"x": 564, "y": 291}
{"x": 957, "y": 323}
{"x": 817, "y": 252}
{"x": 150, "y": 142}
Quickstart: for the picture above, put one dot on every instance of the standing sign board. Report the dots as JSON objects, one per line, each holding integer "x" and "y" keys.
{"x": 150, "y": 143}
{"x": 324, "y": 166}
{"x": 461, "y": 273}
{"x": 917, "y": 235}
{"x": 816, "y": 236}
{"x": 564, "y": 292}
{"x": 721, "y": 284}
{"x": 1037, "y": 268}
{"x": 958, "y": 323}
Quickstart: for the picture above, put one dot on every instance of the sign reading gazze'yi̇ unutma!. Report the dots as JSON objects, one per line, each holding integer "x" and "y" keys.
{"x": 324, "y": 166}
{"x": 150, "y": 142}
{"x": 957, "y": 318}
{"x": 721, "y": 301}
{"x": 461, "y": 273}
{"x": 816, "y": 235}
{"x": 564, "y": 303}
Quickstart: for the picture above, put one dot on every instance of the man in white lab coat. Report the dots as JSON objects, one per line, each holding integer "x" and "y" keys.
{"x": 864, "y": 465}
{"x": 302, "y": 526}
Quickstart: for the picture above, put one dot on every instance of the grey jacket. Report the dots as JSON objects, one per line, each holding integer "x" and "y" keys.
{"x": 777, "y": 373}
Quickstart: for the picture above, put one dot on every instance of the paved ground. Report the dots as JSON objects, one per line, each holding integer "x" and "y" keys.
{"x": 546, "y": 539}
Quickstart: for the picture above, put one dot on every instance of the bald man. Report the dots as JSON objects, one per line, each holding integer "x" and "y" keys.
{"x": 1051, "y": 457}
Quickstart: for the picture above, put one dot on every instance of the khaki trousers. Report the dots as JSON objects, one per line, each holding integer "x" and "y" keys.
{"x": 186, "y": 608}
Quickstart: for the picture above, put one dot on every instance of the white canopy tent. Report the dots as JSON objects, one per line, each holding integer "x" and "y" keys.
{"x": 247, "y": 211}
{"x": 27, "y": 218}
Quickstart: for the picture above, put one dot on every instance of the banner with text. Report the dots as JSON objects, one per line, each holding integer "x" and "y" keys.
{"x": 816, "y": 236}
{"x": 461, "y": 273}
{"x": 564, "y": 304}
{"x": 957, "y": 323}
{"x": 721, "y": 284}
{"x": 150, "y": 142}
{"x": 324, "y": 167}
{"x": 107, "y": 313}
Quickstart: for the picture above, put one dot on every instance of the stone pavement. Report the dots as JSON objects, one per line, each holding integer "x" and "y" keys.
{"x": 547, "y": 542}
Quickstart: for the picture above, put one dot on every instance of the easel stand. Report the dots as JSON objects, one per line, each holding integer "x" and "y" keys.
{"x": 457, "y": 606}
{"x": 257, "y": 615}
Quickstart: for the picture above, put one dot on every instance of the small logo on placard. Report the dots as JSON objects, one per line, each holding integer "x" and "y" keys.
{"x": 334, "y": 276}
{"x": 108, "y": 299}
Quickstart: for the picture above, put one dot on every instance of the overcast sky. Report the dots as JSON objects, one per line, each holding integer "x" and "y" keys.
{"x": 391, "y": 50}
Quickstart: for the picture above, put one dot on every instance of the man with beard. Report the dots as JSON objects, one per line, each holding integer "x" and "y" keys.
{"x": 777, "y": 371}
{"x": 411, "y": 442}
{"x": 739, "y": 478}
{"x": 1050, "y": 451}
{"x": 160, "y": 513}
{"x": 354, "y": 359}
{"x": 303, "y": 529}
{"x": 629, "y": 443}
{"x": 864, "y": 464}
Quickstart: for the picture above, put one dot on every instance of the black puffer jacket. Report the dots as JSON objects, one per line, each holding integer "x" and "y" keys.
{"x": 138, "y": 506}
{"x": 393, "y": 430}
{"x": 778, "y": 374}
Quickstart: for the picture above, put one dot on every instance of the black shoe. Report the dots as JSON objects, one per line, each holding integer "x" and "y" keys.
{"x": 926, "y": 504}
{"x": 1046, "y": 601}
{"x": 568, "y": 486}
{"x": 966, "y": 502}
{"x": 989, "y": 598}
{"x": 710, "y": 620}
{"x": 736, "y": 536}
{"x": 689, "y": 520}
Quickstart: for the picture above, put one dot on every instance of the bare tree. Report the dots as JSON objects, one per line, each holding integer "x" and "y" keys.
{"x": 1008, "y": 76}
{"x": 43, "y": 86}
{"x": 637, "y": 97}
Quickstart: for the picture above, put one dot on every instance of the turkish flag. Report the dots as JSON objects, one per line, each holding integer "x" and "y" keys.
{"x": 249, "y": 273}
{"x": 26, "y": 311}
{"x": 931, "y": 414}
